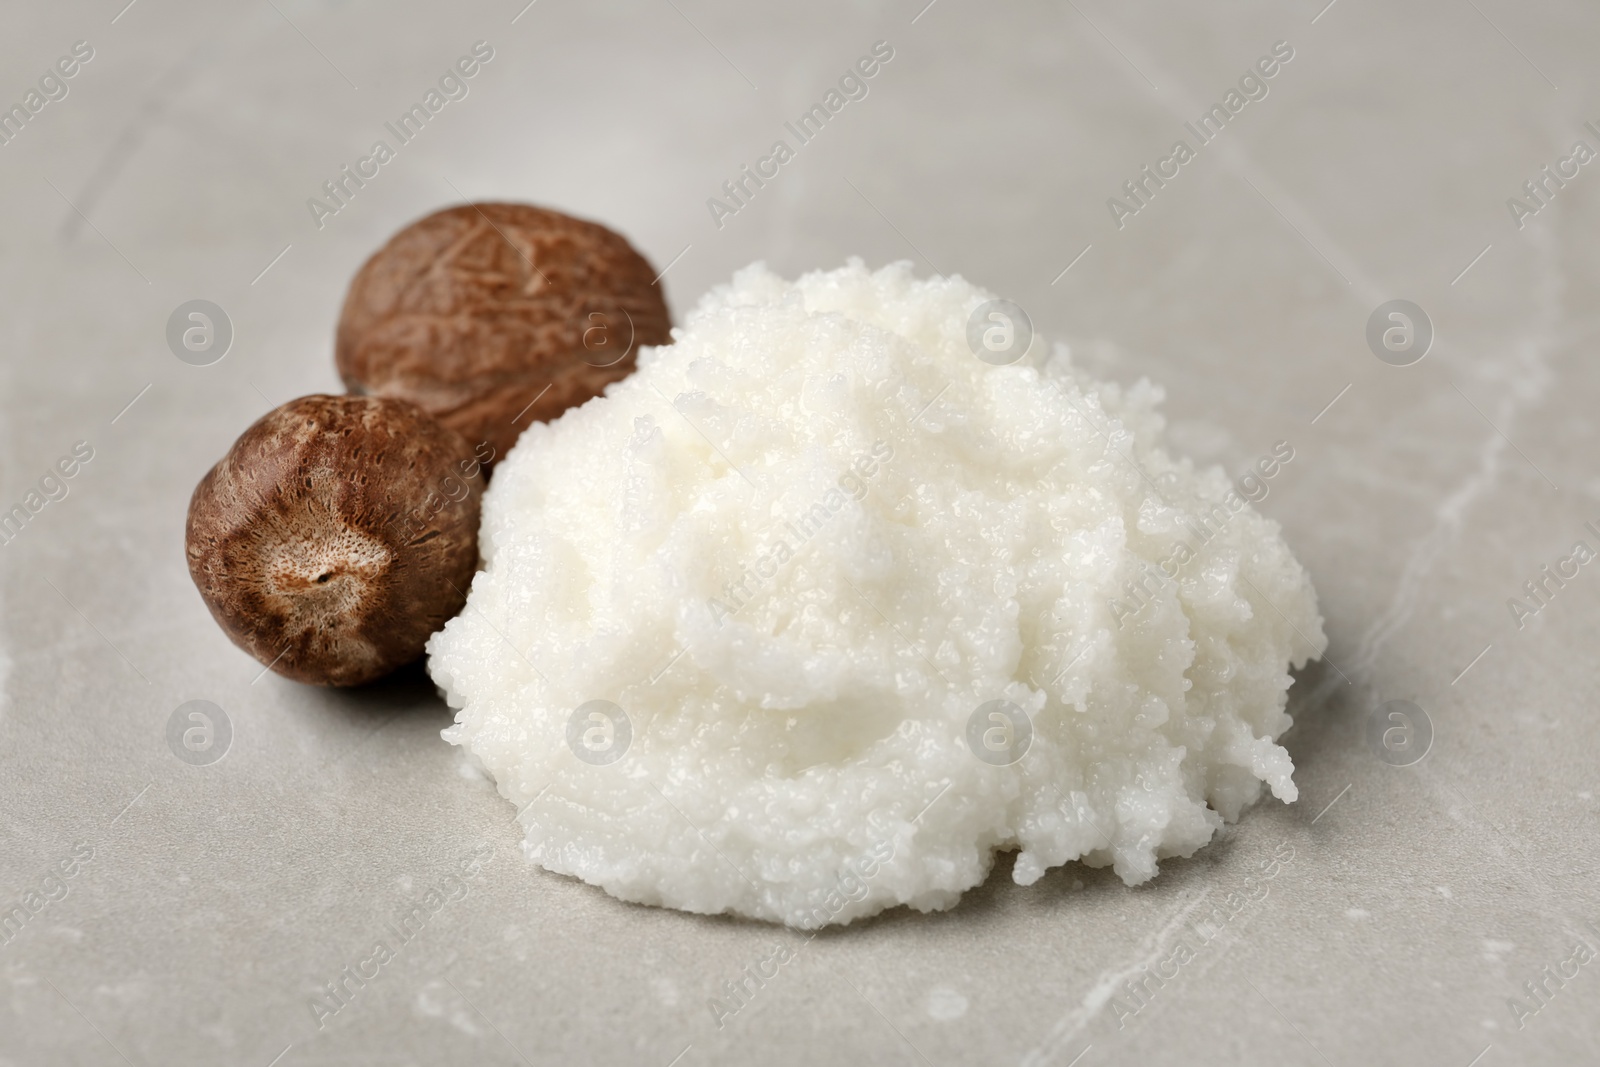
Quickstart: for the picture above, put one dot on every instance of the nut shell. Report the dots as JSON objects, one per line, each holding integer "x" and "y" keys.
{"x": 490, "y": 316}
{"x": 336, "y": 536}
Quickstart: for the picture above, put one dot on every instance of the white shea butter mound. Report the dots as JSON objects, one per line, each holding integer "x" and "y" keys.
{"x": 799, "y": 548}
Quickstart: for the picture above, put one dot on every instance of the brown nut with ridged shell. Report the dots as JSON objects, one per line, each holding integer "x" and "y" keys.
{"x": 491, "y": 316}
{"x": 337, "y": 534}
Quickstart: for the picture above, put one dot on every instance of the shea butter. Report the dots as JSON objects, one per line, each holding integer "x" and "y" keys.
{"x": 817, "y": 611}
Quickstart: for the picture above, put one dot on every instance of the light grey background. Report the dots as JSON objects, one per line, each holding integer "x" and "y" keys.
{"x": 219, "y": 898}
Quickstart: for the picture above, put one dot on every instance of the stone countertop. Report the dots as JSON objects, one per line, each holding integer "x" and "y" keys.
{"x": 1408, "y": 907}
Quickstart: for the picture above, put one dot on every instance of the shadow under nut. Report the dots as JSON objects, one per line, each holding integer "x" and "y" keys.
{"x": 336, "y": 536}
{"x": 475, "y": 311}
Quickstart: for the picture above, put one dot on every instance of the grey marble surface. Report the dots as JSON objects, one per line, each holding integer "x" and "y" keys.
{"x": 208, "y": 904}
